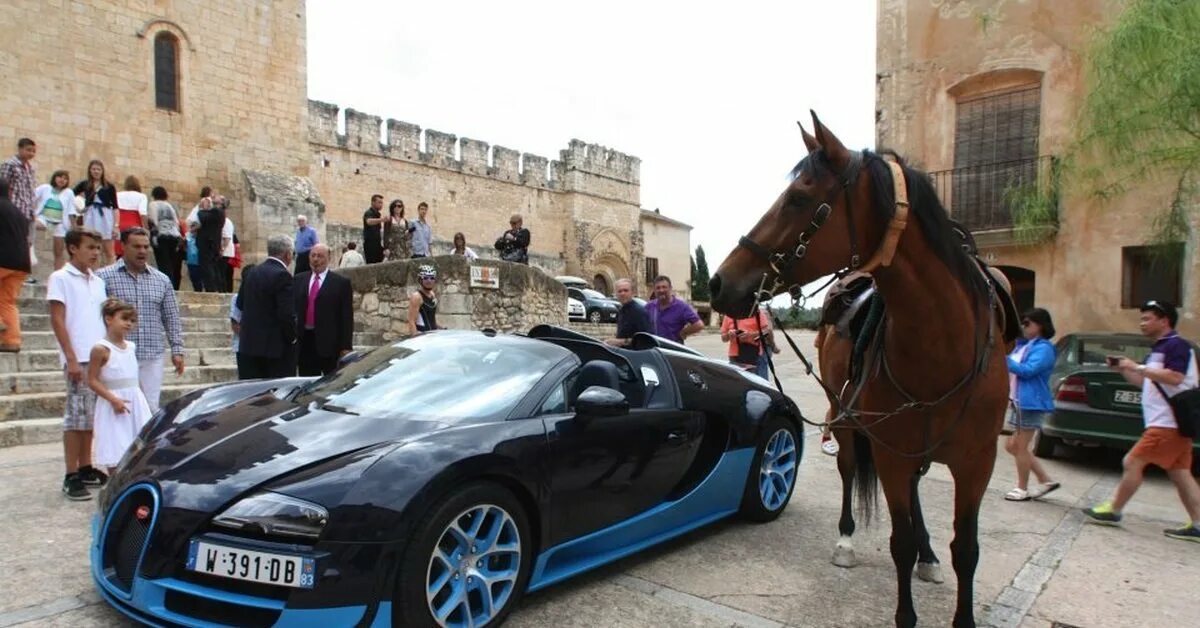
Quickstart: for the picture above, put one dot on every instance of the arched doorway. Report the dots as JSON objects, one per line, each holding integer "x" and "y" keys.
{"x": 1024, "y": 283}
{"x": 600, "y": 284}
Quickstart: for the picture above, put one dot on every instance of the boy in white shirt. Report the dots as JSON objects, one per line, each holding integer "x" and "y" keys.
{"x": 75, "y": 295}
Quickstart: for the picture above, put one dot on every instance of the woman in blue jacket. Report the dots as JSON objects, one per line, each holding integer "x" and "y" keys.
{"x": 1029, "y": 367}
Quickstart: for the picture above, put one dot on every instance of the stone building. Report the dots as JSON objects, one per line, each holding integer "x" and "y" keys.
{"x": 667, "y": 240}
{"x": 188, "y": 93}
{"x": 984, "y": 96}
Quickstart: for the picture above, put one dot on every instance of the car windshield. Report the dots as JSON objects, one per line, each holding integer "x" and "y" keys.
{"x": 592, "y": 294}
{"x": 1092, "y": 351}
{"x": 448, "y": 375}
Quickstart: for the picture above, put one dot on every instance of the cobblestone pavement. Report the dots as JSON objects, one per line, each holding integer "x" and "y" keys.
{"x": 1041, "y": 565}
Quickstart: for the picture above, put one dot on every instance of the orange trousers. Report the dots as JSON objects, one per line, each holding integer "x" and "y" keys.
{"x": 10, "y": 289}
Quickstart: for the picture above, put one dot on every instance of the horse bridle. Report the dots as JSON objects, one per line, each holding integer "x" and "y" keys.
{"x": 781, "y": 263}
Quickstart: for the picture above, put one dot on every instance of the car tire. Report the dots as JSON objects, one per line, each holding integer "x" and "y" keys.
{"x": 594, "y": 316}
{"x": 1045, "y": 446}
{"x": 769, "y": 487}
{"x": 427, "y": 578}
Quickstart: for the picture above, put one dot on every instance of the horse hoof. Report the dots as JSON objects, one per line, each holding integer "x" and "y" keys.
{"x": 930, "y": 572}
{"x": 844, "y": 557}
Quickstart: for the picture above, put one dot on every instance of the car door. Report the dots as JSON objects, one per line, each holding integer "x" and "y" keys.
{"x": 604, "y": 470}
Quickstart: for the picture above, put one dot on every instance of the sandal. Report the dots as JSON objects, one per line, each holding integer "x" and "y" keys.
{"x": 1043, "y": 489}
{"x": 1017, "y": 495}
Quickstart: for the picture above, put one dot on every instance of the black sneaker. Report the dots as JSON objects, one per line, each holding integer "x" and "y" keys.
{"x": 74, "y": 489}
{"x": 91, "y": 476}
{"x": 1188, "y": 532}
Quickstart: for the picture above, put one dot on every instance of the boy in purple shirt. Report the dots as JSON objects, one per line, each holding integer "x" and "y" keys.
{"x": 671, "y": 318}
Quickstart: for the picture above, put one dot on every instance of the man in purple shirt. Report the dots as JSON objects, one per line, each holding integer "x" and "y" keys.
{"x": 671, "y": 318}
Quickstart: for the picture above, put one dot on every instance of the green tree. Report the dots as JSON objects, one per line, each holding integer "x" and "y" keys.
{"x": 1140, "y": 123}
{"x": 700, "y": 276}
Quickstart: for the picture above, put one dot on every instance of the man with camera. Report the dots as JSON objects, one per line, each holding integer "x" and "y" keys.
{"x": 1169, "y": 370}
{"x": 513, "y": 244}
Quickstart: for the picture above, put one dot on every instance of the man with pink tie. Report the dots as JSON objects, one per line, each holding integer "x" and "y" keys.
{"x": 324, "y": 315}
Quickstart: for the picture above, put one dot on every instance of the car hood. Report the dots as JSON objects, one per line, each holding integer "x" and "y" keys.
{"x": 203, "y": 463}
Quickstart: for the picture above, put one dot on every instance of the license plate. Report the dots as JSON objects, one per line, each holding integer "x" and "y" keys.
{"x": 1128, "y": 396}
{"x": 241, "y": 564}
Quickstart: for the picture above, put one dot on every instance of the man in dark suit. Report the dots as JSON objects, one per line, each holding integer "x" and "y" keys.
{"x": 324, "y": 315}
{"x": 267, "y": 339}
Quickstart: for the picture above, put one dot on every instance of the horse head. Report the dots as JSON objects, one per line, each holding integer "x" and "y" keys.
{"x": 822, "y": 222}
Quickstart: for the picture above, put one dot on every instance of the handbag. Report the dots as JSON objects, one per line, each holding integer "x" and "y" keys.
{"x": 1185, "y": 405}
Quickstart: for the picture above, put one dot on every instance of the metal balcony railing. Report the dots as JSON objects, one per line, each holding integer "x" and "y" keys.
{"x": 980, "y": 196}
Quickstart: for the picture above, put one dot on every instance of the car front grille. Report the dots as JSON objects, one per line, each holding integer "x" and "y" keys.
{"x": 126, "y": 534}
{"x": 216, "y": 611}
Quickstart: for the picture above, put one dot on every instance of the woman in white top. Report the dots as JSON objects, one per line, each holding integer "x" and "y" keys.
{"x": 54, "y": 206}
{"x": 121, "y": 407}
{"x": 461, "y": 248}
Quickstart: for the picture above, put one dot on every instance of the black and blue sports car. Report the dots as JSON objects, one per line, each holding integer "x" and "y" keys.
{"x": 433, "y": 481}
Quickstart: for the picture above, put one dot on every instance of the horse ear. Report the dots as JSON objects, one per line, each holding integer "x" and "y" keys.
{"x": 810, "y": 142}
{"x": 834, "y": 149}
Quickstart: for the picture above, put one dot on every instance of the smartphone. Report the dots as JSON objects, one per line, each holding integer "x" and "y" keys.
{"x": 1112, "y": 360}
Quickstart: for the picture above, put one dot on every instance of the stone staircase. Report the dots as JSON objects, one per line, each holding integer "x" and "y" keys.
{"x": 32, "y": 387}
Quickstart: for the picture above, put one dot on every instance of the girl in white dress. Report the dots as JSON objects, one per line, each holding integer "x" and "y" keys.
{"x": 121, "y": 408}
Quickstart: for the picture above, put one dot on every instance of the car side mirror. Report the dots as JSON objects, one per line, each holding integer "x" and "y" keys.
{"x": 598, "y": 401}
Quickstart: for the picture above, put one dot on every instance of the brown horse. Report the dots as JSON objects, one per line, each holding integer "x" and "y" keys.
{"x": 936, "y": 385}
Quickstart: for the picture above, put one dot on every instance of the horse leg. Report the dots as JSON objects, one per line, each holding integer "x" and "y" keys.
{"x": 929, "y": 568}
{"x": 896, "y": 477}
{"x": 970, "y": 481}
{"x": 843, "y": 554}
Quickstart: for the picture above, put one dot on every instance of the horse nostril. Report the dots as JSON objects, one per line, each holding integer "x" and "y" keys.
{"x": 714, "y": 286}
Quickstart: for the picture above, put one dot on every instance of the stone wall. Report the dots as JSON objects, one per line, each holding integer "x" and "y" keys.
{"x": 473, "y": 188}
{"x": 273, "y": 201}
{"x": 932, "y": 55}
{"x": 82, "y": 86}
{"x": 336, "y": 235}
{"x": 526, "y": 296}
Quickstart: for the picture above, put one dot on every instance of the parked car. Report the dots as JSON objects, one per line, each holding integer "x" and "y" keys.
{"x": 575, "y": 310}
{"x": 572, "y": 282}
{"x": 598, "y": 308}
{"x": 433, "y": 481}
{"x": 1093, "y": 404}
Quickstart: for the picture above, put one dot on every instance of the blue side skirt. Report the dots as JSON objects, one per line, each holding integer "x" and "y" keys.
{"x": 717, "y": 496}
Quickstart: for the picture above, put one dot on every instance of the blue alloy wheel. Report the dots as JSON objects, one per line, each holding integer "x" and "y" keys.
{"x": 474, "y": 567}
{"x": 777, "y": 472}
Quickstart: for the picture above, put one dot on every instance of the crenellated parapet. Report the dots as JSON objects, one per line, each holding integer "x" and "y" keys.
{"x": 600, "y": 160}
{"x": 582, "y": 167}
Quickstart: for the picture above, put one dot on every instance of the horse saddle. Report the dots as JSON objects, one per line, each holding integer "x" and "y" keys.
{"x": 846, "y": 303}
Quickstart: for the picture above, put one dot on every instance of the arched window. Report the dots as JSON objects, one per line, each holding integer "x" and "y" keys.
{"x": 166, "y": 71}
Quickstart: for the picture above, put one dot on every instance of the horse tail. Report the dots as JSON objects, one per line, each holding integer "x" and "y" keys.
{"x": 866, "y": 478}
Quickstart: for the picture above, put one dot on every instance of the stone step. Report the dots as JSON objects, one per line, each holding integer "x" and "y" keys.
{"x": 50, "y": 404}
{"x": 187, "y": 309}
{"x": 54, "y": 382}
{"x": 41, "y": 322}
{"x": 30, "y": 432}
{"x": 47, "y": 360}
{"x": 38, "y": 291}
{"x": 45, "y": 341}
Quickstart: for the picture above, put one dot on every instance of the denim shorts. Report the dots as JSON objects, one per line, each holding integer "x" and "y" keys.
{"x": 1028, "y": 419}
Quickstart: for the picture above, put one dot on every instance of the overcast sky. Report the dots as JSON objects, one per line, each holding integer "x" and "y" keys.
{"x": 707, "y": 98}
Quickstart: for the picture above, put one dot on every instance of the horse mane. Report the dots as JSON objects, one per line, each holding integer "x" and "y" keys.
{"x": 924, "y": 205}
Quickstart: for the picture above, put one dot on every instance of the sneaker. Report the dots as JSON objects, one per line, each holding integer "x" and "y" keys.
{"x": 830, "y": 447}
{"x": 1188, "y": 532}
{"x": 91, "y": 476}
{"x": 1103, "y": 514}
{"x": 74, "y": 489}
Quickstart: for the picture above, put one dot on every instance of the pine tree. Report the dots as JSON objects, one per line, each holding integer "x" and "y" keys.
{"x": 700, "y": 276}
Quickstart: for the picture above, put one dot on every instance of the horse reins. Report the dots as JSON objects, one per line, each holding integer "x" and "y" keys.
{"x": 781, "y": 265}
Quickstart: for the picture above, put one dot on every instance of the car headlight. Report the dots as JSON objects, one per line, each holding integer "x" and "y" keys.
{"x": 275, "y": 514}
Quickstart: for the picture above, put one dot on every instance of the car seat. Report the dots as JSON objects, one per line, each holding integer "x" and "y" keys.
{"x": 595, "y": 373}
